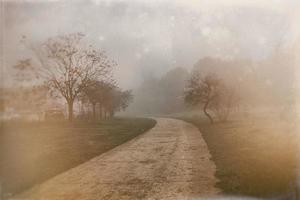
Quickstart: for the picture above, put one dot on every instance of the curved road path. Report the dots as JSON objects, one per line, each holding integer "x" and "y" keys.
{"x": 170, "y": 161}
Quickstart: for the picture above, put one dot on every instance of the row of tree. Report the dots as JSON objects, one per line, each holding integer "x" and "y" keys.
{"x": 106, "y": 97}
{"x": 75, "y": 72}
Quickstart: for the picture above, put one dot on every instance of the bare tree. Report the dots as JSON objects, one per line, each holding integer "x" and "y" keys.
{"x": 202, "y": 90}
{"x": 212, "y": 93}
{"x": 67, "y": 66}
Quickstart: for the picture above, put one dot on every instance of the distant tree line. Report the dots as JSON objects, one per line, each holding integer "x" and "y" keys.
{"x": 221, "y": 88}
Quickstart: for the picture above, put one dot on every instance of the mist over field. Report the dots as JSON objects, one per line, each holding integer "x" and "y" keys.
{"x": 96, "y": 69}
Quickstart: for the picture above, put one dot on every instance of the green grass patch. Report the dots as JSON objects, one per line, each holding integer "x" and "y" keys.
{"x": 256, "y": 158}
{"x": 32, "y": 152}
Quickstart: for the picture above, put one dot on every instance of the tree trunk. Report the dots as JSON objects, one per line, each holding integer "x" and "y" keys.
{"x": 111, "y": 113}
{"x": 105, "y": 113}
{"x": 206, "y": 113}
{"x": 100, "y": 111}
{"x": 70, "y": 110}
{"x": 94, "y": 111}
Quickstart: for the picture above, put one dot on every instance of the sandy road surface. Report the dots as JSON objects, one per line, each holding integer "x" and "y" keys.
{"x": 171, "y": 161}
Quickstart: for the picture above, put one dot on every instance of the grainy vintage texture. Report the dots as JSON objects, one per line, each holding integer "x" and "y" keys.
{"x": 229, "y": 67}
{"x": 171, "y": 161}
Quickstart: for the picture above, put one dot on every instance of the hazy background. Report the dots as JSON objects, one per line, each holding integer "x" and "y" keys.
{"x": 251, "y": 46}
{"x": 147, "y": 38}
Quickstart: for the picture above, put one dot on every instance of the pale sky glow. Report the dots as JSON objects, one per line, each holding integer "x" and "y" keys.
{"x": 150, "y": 37}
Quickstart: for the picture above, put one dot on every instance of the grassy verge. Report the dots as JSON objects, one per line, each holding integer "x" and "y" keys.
{"x": 33, "y": 152}
{"x": 256, "y": 158}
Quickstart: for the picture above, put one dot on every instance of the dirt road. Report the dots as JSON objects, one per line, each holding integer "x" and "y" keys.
{"x": 171, "y": 161}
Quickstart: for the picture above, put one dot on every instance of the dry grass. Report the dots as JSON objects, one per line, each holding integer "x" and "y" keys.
{"x": 33, "y": 152}
{"x": 255, "y": 157}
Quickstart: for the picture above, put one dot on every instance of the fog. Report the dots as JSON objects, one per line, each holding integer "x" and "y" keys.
{"x": 157, "y": 44}
{"x": 148, "y": 38}
{"x": 228, "y": 69}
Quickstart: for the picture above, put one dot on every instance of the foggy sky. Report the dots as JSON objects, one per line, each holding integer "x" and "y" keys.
{"x": 147, "y": 38}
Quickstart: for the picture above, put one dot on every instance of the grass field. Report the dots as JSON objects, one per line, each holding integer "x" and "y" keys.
{"x": 256, "y": 157}
{"x": 32, "y": 152}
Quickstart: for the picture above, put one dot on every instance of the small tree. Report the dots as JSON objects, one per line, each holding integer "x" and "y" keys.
{"x": 115, "y": 100}
{"x": 212, "y": 93}
{"x": 126, "y": 99}
{"x": 67, "y": 66}
{"x": 96, "y": 92}
{"x": 92, "y": 94}
{"x": 104, "y": 97}
{"x": 120, "y": 100}
{"x": 202, "y": 90}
